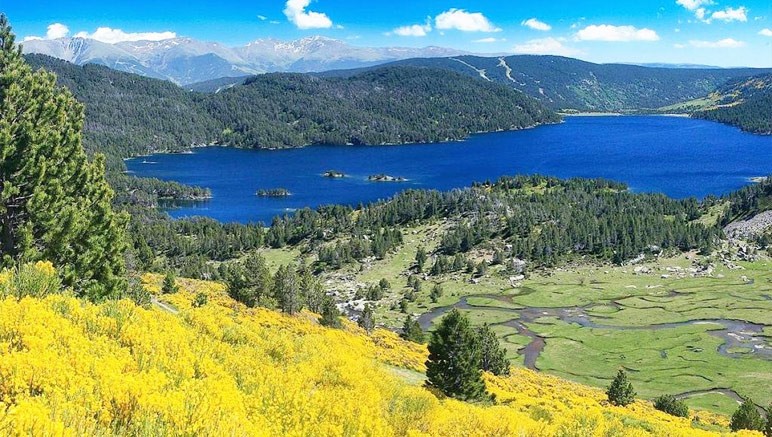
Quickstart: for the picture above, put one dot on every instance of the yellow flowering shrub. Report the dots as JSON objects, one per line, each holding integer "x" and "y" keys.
{"x": 69, "y": 367}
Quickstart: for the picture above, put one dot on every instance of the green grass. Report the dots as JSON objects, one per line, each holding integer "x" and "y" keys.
{"x": 661, "y": 361}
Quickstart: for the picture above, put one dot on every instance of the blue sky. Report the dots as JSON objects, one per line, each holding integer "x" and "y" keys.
{"x": 714, "y": 32}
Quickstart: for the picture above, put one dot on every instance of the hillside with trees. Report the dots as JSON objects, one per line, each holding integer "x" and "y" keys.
{"x": 129, "y": 114}
{"x": 745, "y": 103}
{"x": 566, "y": 84}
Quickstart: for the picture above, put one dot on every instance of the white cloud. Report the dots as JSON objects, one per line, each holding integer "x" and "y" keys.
{"x": 693, "y": 5}
{"x": 726, "y": 43}
{"x": 113, "y": 36}
{"x": 295, "y": 10}
{"x": 262, "y": 17}
{"x": 731, "y": 14}
{"x": 414, "y": 29}
{"x": 607, "y": 32}
{"x": 54, "y": 31}
{"x": 464, "y": 21}
{"x": 535, "y": 24}
{"x": 545, "y": 46}
{"x": 765, "y": 32}
{"x": 488, "y": 40}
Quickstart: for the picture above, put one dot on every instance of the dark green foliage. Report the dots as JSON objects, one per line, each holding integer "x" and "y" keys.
{"x": 367, "y": 320}
{"x": 403, "y": 304}
{"x": 249, "y": 281}
{"x": 768, "y": 423}
{"x": 169, "y": 285}
{"x": 747, "y": 417}
{"x": 200, "y": 300}
{"x": 330, "y": 314}
{"x": 287, "y": 290}
{"x": 385, "y": 105}
{"x": 374, "y": 292}
{"x": 411, "y": 330}
{"x": 420, "y": 258}
{"x": 670, "y": 405}
{"x": 620, "y": 392}
{"x": 135, "y": 115}
{"x": 453, "y": 366}
{"x": 565, "y": 83}
{"x": 313, "y": 292}
{"x": 54, "y": 204}
{"x": 746, "y": 104}
{"x": 492, "y": 355}
{"x": 384, "y": 284}
{"x": 436, "y": 293}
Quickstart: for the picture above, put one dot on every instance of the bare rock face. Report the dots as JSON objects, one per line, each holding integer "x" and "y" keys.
{"x": 752, "y": 227}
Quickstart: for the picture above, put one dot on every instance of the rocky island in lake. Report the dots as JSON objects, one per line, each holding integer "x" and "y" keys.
{"x": 385, "y": 178}
{"x": 334, "y": 174}
{"x": 273, "y": 192}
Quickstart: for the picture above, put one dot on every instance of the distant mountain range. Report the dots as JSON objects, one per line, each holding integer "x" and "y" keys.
{"x": 186, "y": 60}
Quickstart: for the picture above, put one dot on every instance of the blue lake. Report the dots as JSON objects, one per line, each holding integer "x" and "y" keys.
{"x": 680, "y": 157}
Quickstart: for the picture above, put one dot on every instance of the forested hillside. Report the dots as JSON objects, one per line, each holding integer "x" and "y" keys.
{"x": 129, "y": 114}
{"x": 745, "y": 103}
{"x": 570, "y": 84}
{"x": 389, "y": 105}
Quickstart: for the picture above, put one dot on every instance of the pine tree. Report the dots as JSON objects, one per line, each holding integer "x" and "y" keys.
{"x": 492, "y": 355}
{"x": 169, "y": 285}
{"x": 436, "y": 293}
{"x": 330, "y": 314}
{"x": 313, "y": 293}
{"x": 367, "y": 320}
{"x": 621, "y": 392}
{"x": 412, "y": 331}
{"x": 54, "y": 204}
{"x": 453, "y": 366}
{"x": 420, "y": 258}
{"x": 747, "y": 417}
{"x": 286, "y": 286}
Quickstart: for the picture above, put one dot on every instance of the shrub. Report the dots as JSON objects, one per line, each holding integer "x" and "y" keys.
{"x": 747, "y": 417}
{"x": 670, "y": 405}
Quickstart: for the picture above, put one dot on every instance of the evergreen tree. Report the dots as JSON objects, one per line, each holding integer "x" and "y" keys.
{"x": 330, "y": 314}
{"x": 286, "y": 286}
{"x": 621, "y": 392}
{"x": 436, "y": 293}
{"x": 420, "y": 258}
{"x": 54, "y": 204}
{"x": 412, "y": 331}
{"x": 403, "y": 305}
{"x": 170, "y": 284}
{"x": 492, "y": 355}
{"x": 453, "y": 366}
{"x": 747, "y": 417}
{"x": 313, "y": 293}
{"x": 384, "y": 284}
{"x": 670, "y": 405}
{"x": 257, "y": 279}
{"x": 367, "y": 320}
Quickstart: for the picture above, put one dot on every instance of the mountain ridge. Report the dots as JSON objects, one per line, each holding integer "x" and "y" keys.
{"x": 186, "y": 60}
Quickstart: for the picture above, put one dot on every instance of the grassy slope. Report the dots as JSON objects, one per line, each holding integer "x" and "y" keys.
{"x": 641, "y": 299}
{"x": 75, "y": 368}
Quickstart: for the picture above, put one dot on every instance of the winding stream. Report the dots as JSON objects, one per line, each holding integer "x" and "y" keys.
{"x": 735, "y": 333}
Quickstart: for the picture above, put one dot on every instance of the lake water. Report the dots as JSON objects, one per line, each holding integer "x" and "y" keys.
{"x": 680, "y": 157}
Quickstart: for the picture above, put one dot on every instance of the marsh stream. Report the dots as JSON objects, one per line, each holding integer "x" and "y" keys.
{"x": 736, "y": 334}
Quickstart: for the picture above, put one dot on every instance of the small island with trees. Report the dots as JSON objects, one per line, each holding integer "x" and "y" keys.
{"x": 334, "y": 174}
{"x": 385, "y": 178}
{"x": 273, "y": 192}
